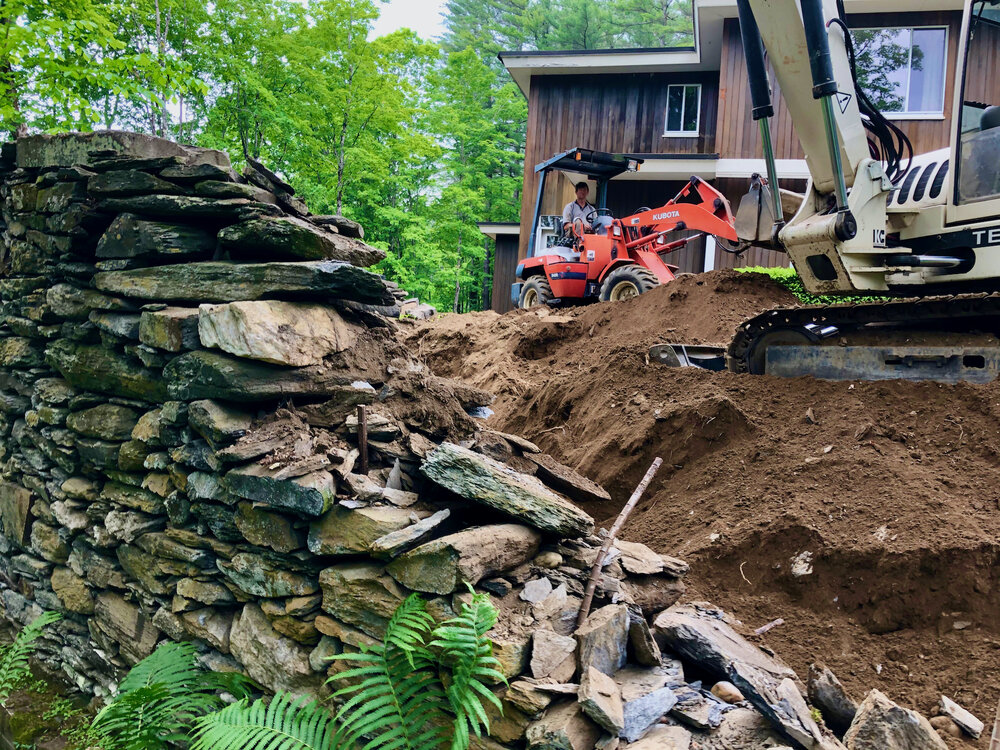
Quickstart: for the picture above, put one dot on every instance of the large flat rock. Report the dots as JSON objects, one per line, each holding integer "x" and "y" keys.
{"x": 308, "y": 495}
{"x": 94, "y": 368}
{"x": 702, "y": 635}
{"x": 481, "y": 479}
{"x": 276, "y": 662}
{"x": 132, "y": 237}
{"x": 275, "y": 331}
{"x": 209, "y": 374}
{"x": 220, "y": 281}
{"x": 444, "y": 565}
{"x": 292, "y": 238}
{"x": 67, "y": 149}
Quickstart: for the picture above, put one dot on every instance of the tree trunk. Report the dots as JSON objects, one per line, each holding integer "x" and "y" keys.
{"x": 458, "y": 274}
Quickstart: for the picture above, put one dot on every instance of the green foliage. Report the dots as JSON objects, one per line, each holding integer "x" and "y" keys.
{"x": 14, "y": 671}
{"x": 789, "y": 279}
{"x": 396, "y": 699}
{"x": 282, "y": 724}
{"x": 160, "y": 698}
{"x": 881, "y": 66}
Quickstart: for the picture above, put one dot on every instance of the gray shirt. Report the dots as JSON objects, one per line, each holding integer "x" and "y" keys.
{"x": 573, "y": 211}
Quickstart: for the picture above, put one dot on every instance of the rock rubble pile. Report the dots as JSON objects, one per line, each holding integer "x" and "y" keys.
{"x": 183, "y": 354}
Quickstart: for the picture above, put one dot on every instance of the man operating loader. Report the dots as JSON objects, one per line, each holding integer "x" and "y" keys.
{"x": 580, "y": 209}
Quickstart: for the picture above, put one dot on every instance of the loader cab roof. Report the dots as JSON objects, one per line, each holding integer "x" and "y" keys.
{"x": 599, "y": 166}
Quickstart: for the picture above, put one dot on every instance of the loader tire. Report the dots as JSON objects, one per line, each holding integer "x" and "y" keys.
{"x": 536, "y": 291}
{"x": 626, "y": 282}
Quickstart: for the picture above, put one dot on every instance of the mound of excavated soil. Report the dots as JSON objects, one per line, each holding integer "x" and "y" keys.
{"x": 866, "y": 515}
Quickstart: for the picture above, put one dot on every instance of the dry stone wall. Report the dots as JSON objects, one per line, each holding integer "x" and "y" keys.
{"x": 182, "y": 353}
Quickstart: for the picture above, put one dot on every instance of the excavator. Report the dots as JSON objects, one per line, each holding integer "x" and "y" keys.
{"x": 920, "y": 232}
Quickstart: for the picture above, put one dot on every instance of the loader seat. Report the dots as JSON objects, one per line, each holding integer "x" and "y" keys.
{"x": 566, "y": 253}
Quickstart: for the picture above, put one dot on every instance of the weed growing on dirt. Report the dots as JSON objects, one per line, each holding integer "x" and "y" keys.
{"x": 789, "y": 279}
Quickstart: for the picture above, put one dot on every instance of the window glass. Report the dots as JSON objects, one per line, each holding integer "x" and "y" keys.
{"x": 903, "y": 70}
{"x": 675, "y": 107}
{"x": 683, "y": 103}
{"x": 979, "y": 131}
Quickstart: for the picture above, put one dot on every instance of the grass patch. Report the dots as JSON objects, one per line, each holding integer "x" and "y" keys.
{"x": 789, "y": 279}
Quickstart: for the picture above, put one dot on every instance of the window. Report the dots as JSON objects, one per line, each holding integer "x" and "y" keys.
{"x": 979, "y": 129}
{"x": 683, "y": 110}
{"x": 903, "y": 70}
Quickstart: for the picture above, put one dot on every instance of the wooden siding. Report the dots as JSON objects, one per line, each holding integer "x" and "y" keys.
{"x": 504, "y": 266}
{"x": 617, "y": 113}
{"x": 738, "y": 135}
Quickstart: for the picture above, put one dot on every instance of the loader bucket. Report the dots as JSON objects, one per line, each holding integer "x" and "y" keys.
{"x": 755, "y": 216}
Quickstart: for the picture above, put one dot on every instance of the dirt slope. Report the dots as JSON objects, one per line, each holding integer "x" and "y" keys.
{"x": 872, "y": 528}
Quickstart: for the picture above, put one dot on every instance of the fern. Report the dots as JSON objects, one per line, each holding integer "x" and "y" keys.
{"x": 469, "y": 654}
{"x": 160, "y": 698}
{"x": 14, "y": 658}
{"x": 284, "y": 724}
{"x": 399, "y": 698}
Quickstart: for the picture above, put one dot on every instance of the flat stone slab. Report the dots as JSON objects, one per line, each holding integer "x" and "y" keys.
{"x": 220, "y": 281}
{"x": 347, "y": 531}
{"x": 444, "y": 565}
{"x": 67, "y": 149}
{"x": 567, "y": 480}
{"x": 94, "y": 368}
{"x": 395, "y": 543}
{"x": 481, "y": 479}
{"x": 965, "y": 720}
{"x": 309, "y": 495}
{"x": 291, "y": 238}
{"x": 209, "y": 374}
{"x": 282, "y": 333}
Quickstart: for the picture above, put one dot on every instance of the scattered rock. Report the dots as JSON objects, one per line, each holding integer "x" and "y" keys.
{"x": 344, "y": 531}
{"x": 563, "y": 727}
{"x": 882, "y": 725}
{"x": 603, "y": 639}
{"x": 727, "y": 692}
{"x": 600, "y": 698}
{"x": 829, "y": 696}
{"x": 553, "y": 656}
{"x": 965, "y": 720}
{"x": 567, "y": 480}
{"x": 646, "y": 699}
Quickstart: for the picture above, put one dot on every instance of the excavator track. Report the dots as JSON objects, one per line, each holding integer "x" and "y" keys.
{"x": 814, "y": 323}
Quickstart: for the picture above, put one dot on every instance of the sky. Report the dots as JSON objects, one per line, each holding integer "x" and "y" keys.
{"x": 423, "y": 16}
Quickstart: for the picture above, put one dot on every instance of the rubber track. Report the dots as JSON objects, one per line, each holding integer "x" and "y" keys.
{"x": 852, "y": 315}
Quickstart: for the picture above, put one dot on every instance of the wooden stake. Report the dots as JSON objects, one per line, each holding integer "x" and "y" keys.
{"x": 363, "y": 438}
{"x": 995, "y": 737}
{"x": 595, "y": 573}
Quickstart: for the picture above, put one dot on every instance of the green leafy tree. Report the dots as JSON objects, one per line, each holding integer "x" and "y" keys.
{"x": 882, "y": 60}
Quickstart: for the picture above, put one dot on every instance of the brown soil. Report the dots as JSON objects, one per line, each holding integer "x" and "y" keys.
{"x": 889, "y": 496}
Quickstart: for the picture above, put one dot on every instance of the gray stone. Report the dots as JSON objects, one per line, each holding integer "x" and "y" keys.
{"x": 698, "y": 708}
{"x": 646, "y": 698}
{"x": 127, "y": 526}
{"x": 601, "y": 699}
{"x": 345, "y": 531}
{"x": 210, "y": 625}
{"x": 206, "y": 592}
{"x": 67, "y": 149}
{"x": 395, "y": 543}
{"x": 536, "y": 590}
{"x": 15, "y": 513}
{"x": 210, "y": 374}
{"x": 563, "y": 727}
{"x": 283, "y": 333}
{"x": 172, "y": 329}
{"x": 70, "y": 515}
{"x": 882, "y": 725}
{"x": 965, "y": 720}
{"x": 566, "y": 480}
{"x": 45, "y": 540}
{"x": 291, "y": 238}
{"x": 830, "y": 697}
{"x": 125, "y": 623}
{"x": 131, "y": 237}
{"x": 184, "y": 207}
{"x": 642, "y": 645}
{"x": 121, "y": 182}
{"x": 479, "y": 478}
{"x": 135, "y": 498}
{"x": 72, "y": 591}
{"x": 276, "y": 662}
{"x": 256, "y": 576}
{"x": 346, "y": 227}
{"x": 361, "y": 594}
{"x": 664, "y": 737}
{"x": 197, "y": 455}
{"x": 639, "y": 559}
{"x": 204, "y": 486}
{"x": 319, "y": 657}
{"x": 219, "y": 424}
{"x": 122, "y": 325}
{"x": 603, "y": 639}
{"x": 73, "y": 303}
{"x": 188, "y": 173}
{"x": 553, "y": 656}
{"x": 95, "y": 368}
{"x": 310, "y": 495}
{"x": 20, "y": 352}
{"x": 233, "y": 282}
{"x": 442, "y": 566}
{"x": 104, "y": 421}
{"x": 266, "y": 529}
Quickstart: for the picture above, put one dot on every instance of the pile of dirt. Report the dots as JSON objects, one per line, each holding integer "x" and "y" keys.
{"x": 866, "y": 515}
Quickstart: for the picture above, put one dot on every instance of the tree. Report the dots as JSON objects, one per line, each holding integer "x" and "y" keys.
{"x": 882, "y": 59}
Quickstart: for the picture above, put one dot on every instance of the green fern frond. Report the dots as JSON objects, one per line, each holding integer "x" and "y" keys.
{"x": 159, "y": 699}
{"x": 467, "y": 651}
{"x": 398, "y": 702}
{"x": 286, "y": 723}
{"x": 14, "y": 659}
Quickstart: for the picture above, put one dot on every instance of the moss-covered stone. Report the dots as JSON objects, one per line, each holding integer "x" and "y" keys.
{"x": 95, "y": 368}
{"x": 105, "y": 421}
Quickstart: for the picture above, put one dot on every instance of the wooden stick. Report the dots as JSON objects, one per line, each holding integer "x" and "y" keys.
{"x": 363, "y": 438}
{"x": 595, "y": 572}
{"x": 773, "y": 624}
{"x": 995, "y": 738}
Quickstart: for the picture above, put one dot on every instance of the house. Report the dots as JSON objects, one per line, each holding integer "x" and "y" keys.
{"x": 686, "y": 111}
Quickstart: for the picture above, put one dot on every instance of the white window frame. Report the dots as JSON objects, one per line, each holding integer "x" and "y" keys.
{"x": 697, "y": 124}
{"x": 918, "y": 115}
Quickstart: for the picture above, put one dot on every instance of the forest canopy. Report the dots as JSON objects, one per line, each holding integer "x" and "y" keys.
{"x": 418, "y": 140}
